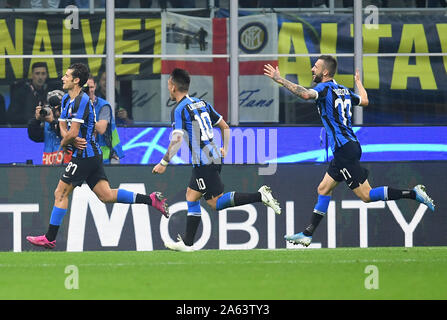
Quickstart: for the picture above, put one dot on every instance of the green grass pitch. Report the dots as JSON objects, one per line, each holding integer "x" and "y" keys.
{"x": 282, "y": 274}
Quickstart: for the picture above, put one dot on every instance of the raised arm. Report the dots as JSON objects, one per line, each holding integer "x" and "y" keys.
{"x": 296, "y": 89}
{"x": 362, "y": 92}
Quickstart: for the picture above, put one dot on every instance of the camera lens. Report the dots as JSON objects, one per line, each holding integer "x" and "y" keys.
{"x": 45, "y": 111}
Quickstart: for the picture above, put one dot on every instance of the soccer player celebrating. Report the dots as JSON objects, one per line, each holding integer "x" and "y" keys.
{"x": 335, "y": 104}
{"x": 77, "y": 124}
{"x": 193, "y": 121}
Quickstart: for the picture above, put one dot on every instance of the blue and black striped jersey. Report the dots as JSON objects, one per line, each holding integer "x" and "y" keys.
{"x": 335, "y": 103}
{"x": 81, "y": 110}
{"x": 196, "y": 118}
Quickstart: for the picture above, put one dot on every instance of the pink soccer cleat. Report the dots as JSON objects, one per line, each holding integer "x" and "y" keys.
{"x": 41, "y": 241}
{"x": 159, "y": 203}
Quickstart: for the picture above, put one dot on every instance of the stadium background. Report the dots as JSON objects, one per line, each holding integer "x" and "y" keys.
{"x": 404, "y": 64}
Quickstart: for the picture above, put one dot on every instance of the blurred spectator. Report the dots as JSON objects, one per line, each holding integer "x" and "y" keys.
{"x": 2, "y": 110}
{"x": 121, "y": 114}
{"x": 44, "y": 127}
{"x": 26, "y": 95}
{"x": 54, "y": 4}
{"x": 107, "y": 133}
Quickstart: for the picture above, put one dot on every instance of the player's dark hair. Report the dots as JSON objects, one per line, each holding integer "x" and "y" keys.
{"x": 80, "y": 71}
{"x": 181, "y": 79}
{"x": 39, "y": 65}
{"x": 330, "y": 64}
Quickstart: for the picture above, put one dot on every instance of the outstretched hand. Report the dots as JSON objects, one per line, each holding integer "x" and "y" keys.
{"x": 272, "y": 72}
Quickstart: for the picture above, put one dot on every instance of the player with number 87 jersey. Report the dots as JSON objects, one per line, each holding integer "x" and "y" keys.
{"x": 193, "y": 120}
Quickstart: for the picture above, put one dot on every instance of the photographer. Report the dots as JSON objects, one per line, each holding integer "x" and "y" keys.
{"x": 105, "y": 127}
{"x": 28, "y": 93}
{"x": 44, "y": 127}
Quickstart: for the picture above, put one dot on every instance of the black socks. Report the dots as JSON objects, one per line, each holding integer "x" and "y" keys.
{"x": 394, "y": 194}
{"x": 246, "y": 198}
{"x": 315, "y": 221}
{"x": 52, "y": 232}
{"x": 192, "y": 224}
{"x": 142, "y": 198}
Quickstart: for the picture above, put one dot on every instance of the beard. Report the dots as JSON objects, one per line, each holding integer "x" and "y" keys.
{"x": 318, "y": 78}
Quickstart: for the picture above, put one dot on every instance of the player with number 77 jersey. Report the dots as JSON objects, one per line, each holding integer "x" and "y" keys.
{"x": 193, "y": 120}
{"x": 335, "y": 104}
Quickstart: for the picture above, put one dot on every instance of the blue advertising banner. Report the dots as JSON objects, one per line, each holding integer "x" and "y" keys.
{"x": 258, "y": 145}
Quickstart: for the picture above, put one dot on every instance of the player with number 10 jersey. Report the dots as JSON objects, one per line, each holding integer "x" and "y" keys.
{"x": 197, "y": 118}
{"x": 192, "y": 121}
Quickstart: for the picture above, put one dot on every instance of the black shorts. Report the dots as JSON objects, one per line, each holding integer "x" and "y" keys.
{"x": 90, "y": 170}
{"x": 346, "y": 165}
{"x": 206, "y": 179}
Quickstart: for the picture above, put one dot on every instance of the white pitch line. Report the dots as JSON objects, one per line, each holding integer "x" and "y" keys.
{"x": 353, "y": 261}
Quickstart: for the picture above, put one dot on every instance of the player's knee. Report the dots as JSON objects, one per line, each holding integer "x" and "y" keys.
{"x": 212, "y": 203}
{"x": 106, "y": 197}
{"x": 364, "y": 196}
{"x": 323, "y": 190}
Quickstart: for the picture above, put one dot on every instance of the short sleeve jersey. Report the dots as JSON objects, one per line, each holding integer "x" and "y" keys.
{"x": 81, "y": 110}
{"x": 335, "y": 104}
{"x": 195, "y": 119}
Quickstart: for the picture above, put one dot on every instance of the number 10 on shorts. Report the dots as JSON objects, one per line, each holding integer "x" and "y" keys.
{"x": 201, "y": 184}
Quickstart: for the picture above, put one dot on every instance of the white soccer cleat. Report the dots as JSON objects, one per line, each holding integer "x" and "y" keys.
{"x": 179, "y": 245}
{"x": 268, "y": 200}
{"x": 422, "y": 196}
{"x": 299, "y": 238}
